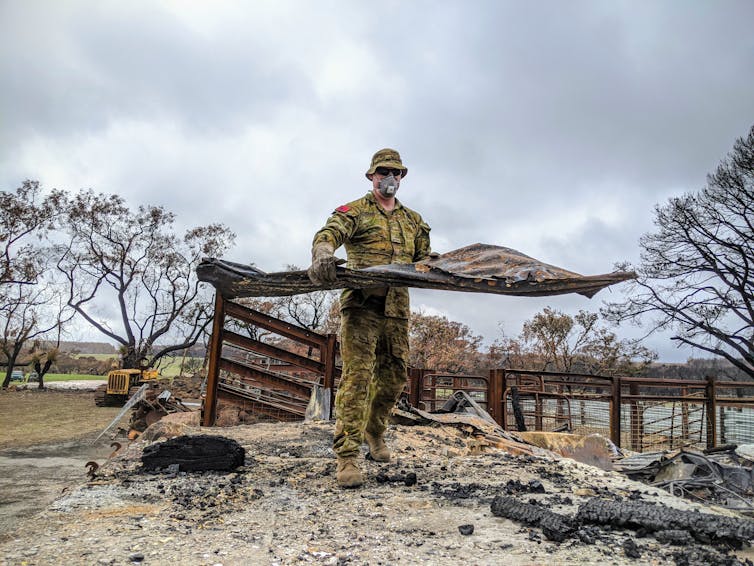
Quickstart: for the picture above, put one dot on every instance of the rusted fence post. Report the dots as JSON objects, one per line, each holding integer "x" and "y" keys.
{"x": 415, "y": 386}
{"x": 710, "y": 393}
{"x": 327, "y": 355}
{"x": 615, "y": 416}
{"x": 209, "y": 409}
{"x": 495, "y": 395}
{"x": 503, "y": 401}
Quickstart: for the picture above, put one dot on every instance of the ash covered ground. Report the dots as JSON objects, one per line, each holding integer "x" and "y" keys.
{"x": 431, "y": 505}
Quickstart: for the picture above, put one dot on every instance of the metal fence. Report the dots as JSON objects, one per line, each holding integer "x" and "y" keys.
{"x": 642, "y": 414}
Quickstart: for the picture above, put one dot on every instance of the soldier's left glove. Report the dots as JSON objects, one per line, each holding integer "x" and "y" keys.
{"x": 322, "y": 270}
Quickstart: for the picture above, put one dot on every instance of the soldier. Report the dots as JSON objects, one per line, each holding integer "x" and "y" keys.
{"x": 376, "y": 230}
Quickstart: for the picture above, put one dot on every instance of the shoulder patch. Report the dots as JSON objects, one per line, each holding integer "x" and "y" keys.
{"x": 344, "y": 208}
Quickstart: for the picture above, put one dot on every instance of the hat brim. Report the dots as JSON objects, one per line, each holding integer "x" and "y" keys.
{"x": 389, "y": 165}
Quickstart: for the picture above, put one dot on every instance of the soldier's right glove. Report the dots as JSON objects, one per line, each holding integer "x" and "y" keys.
{"x": 322, "y": 270}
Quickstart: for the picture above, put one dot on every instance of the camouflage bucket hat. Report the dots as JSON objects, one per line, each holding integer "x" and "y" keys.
{"x": 387, "y": 158}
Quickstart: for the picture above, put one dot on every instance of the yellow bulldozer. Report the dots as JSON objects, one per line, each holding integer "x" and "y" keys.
{"x": 121, "y": 384}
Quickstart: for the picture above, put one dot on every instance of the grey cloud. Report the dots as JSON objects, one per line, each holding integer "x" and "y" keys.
{"x": 549, "y": 127}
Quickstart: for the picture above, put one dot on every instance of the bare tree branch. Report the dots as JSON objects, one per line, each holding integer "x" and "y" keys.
{"x": 695, "y": 275}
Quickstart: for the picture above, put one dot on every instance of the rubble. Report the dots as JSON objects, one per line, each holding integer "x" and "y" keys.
{"x": 282, "y": 506}
{"x": 462, "y": 411}
{"x": 723, "y": 475}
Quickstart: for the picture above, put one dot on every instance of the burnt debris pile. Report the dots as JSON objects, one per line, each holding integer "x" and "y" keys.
{"x": 722, "y": 475}
{"x": 194, "y": 454}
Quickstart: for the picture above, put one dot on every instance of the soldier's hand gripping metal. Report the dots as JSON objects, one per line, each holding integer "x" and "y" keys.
{"x": 322, "y": 270}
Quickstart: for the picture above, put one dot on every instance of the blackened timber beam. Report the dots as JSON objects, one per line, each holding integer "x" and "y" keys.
{"x": 275, "y": 325}
{"x": 267, "y": 379}
{"x": 273, "y": 352}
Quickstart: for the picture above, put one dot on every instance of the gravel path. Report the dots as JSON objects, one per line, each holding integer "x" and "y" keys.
{"x": 77, "y": 384}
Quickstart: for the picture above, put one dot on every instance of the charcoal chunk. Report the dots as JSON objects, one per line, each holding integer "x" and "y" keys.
{"x": 194, "y": 454}
{"x": 631, "y": 549}
{"x": 407, "y": 479}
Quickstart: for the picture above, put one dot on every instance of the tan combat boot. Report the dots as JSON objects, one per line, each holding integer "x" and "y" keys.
{"x": 377, "y": 448}
{"x": 349, "y": 474}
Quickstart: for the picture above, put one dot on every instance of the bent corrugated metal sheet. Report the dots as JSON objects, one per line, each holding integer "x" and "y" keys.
{"x": 478, "y": 268}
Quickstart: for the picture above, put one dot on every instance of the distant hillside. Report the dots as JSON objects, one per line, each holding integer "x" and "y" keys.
{"x": 88, "y": 348}
{"x": 104, "y": 348}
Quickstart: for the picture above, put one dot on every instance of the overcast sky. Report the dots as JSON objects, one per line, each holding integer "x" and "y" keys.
{"x": 550, "y": 127}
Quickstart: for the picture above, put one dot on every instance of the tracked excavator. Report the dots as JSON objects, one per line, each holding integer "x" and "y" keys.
{"x": 121, "y": 384}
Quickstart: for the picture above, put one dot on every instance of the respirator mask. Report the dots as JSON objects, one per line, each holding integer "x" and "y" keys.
{"x": 388, "y": 186}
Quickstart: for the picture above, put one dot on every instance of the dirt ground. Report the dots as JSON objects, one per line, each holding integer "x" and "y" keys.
{"x": 31, "y": 417}
{"x": 282, "y": 507}
{"x": 45, "y": 440}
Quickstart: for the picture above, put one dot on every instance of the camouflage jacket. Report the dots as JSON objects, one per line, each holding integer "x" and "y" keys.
{"x": 373, "y": 236}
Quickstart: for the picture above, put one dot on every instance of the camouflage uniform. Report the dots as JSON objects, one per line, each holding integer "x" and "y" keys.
{"x": 374, "y": 322}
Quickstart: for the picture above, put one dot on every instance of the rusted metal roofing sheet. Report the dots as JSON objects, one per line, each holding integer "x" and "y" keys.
{"x": 478, "y": 268}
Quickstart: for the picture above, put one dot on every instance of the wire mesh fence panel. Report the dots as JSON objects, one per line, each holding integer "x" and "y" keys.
{"x": 664, "y": 414}
{"x": 648, "y": 426}
{"x": 591, "y": 416}
{"x": 735, "y": 423}
{"x": 734, "y": 415}
{"x": 558, "y": 402}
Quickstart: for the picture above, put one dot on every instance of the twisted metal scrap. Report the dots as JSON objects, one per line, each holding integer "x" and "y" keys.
{"x": 478, "y": 268}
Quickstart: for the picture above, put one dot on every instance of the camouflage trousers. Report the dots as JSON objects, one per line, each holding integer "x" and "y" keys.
{"x": 374, "y": 349}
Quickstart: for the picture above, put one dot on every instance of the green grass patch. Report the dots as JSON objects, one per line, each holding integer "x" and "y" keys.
{"x": 171, "y": 367}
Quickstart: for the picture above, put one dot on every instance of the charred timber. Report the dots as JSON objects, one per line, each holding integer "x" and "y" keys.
{"x": 638, "y": 515}
{"x": 554, "y": 526}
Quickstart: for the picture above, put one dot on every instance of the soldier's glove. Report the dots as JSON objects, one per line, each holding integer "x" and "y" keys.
{"x": 322, "y": 270}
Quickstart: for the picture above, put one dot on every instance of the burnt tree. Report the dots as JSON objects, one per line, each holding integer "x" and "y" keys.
{"x": 133, "y": 279}
{"x": 29, "y": 301}
{"x": 697, "y": 269}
